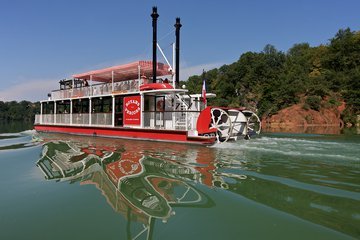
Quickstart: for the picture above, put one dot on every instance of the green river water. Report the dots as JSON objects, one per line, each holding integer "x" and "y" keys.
{"x": 275, "y": 186}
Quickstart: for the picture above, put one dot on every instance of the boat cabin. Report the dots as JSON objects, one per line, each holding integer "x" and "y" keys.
{"x": 123, "y": 96}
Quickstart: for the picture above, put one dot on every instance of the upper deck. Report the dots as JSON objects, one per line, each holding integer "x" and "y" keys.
{"x": 80, "y": 102}
{"x": 120, "y": 79}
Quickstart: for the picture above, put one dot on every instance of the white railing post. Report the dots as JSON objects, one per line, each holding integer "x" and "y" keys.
{"x": 54, "y": 112}
{"x": 71, "y": 112}
{"x": 112, "y": 81}
{"x": 174, "y": 67}
{"x": 142, "y": 110}
{"x": 72, "y": 87}
{"x": 139, "y": 72}
{"x": 91, "y": 86}
{"x": 90, "y": 110}
{"x": 41, "y": 112}
{"x": 113, "y": 112}
{"x": 173, "y": 114}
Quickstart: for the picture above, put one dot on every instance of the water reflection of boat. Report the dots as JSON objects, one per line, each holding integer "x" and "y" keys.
{"x": 148, "y": 182}
{"x": 142, "y": 186}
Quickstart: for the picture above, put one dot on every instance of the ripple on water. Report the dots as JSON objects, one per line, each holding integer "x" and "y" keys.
{"x": 334, "y": 151}
{"x": 302, "y": 179}
{"x": 12, "y": 141}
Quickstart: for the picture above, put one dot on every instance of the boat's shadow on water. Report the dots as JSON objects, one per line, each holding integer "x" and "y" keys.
{"x": 146, "y": 181}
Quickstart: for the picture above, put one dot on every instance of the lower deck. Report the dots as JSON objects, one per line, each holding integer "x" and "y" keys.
{"x": 178, "y": 136}
{"x": 170, "y": 120}
{"x": 156, "y": 109}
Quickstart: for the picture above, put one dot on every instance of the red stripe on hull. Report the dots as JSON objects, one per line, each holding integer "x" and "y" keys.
{"x": 135, "y": 133}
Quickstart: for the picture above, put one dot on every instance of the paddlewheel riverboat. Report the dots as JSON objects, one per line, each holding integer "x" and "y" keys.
{"x": 142, "y": 100}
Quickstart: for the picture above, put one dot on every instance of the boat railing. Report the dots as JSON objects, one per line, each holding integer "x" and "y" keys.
{"x": 47, "y": 119}
{"x": 62, "y": 118}
{"x": 81, "y": 119}
{"x": 97, "y": 90}
{"x": 37, "y": 119}
{"x": 127, "y": 86}
{"x": 104, "y": 119}
{"x": 172, "y": 120}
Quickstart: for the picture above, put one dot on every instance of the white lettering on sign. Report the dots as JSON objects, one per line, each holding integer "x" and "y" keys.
{"x": 132, "y": 107}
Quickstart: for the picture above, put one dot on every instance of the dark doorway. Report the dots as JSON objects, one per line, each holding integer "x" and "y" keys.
{"x": 118, "y": 110}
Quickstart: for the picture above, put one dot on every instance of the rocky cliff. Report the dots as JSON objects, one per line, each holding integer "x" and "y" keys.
{"x": 296, "y": 118}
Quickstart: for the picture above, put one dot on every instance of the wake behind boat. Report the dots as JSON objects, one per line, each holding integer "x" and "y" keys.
{"x": 137, "y": 101}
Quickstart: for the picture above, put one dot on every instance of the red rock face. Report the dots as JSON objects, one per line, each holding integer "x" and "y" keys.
{"x": 297, "y": 119}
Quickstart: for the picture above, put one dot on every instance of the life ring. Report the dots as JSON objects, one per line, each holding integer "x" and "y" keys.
{"x": 160, "y": 105}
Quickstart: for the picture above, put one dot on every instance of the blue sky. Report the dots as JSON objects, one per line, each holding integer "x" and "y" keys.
{"x": 43, "y": 41}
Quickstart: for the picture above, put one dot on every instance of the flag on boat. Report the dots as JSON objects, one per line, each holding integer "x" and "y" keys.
{"x": 204, "y": 92}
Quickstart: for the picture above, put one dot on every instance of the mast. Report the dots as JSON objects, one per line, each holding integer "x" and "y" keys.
{"x": 154, "y": 16}
{"x": 177, "y": 51}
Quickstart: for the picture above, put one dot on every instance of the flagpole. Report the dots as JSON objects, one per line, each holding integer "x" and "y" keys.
{"x": 203, "y": 91}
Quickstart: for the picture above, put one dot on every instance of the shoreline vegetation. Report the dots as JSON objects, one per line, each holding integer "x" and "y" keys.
{"x": 19, "y": 111}
{"x": 17, "y": 116}
{"x": 306, "y": 86}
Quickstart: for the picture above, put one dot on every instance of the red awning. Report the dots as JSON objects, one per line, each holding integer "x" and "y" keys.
{"x": 125, "y": 72}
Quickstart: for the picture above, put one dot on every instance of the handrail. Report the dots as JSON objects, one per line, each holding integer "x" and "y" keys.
{"x": 97, "y": 90}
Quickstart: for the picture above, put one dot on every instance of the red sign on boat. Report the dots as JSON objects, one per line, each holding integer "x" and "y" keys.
{"x": 132, "y": 110}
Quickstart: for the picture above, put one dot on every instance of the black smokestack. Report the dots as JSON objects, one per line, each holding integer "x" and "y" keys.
{"x": 154, "y": 16}
{"x": 177, "y": 51}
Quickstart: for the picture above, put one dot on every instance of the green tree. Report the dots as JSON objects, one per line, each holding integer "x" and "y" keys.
{"x": 271, "y": 80}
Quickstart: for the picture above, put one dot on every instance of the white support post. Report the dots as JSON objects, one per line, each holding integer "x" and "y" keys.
{"x": 113, "y": 111}
{"x": 54, "y": 112}
{"x": 142, "y": 110}
{"x": 173, "y": 108}
{"x": 174, "y": 67}
{"x": 72, "y": 88}
{"x": 112, "y": 81}
{"x": 139, "y": 72}
{"x": 90, "y": 111}
{"x": 198, "y": 103}
{"x": 41, "y": 112}
{"x": 91, "y": 86}
{"x": 71, "y": 111}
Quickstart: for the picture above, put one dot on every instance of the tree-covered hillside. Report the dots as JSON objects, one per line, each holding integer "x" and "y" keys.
{"x": 271, "y": 80}
{"x": 23, "y": 110}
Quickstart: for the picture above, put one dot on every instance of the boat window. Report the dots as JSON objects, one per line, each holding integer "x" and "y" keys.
{"x": 118, "y": 104}
{"x": 81, "y": 106}
{"x": 147, "y": 100}
{"x": 160, "y": 103}
{"x": 119, "y": 110}
{"x": 48, "y": 108}
{"x": 102, "y": 105}
{"x": 63, "y": 107}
